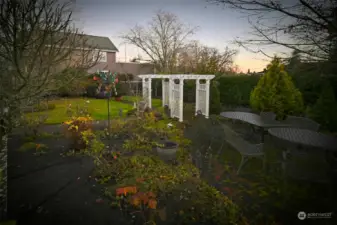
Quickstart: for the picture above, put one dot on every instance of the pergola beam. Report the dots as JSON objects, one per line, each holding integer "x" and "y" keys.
{"x": 178, "y": 76}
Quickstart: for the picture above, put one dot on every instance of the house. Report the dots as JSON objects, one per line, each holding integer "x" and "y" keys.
{"x": 107, "y": 59}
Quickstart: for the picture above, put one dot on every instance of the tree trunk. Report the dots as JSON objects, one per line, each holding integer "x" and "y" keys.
{"x": 3, "y": 176}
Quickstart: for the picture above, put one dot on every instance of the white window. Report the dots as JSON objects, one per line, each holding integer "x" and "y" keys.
{"x": 100, "y": 56}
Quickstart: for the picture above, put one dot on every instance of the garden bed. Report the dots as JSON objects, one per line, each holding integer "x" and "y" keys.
{"x": 92, "y": 179}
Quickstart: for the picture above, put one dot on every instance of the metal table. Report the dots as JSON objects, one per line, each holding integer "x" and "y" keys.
{"x": 305, "y": 137}
{"x": 254, "y": 120}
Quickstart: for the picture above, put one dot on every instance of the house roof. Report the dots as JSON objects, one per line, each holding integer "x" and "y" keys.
{"x": 100, "y": 42}
{"x": 90, "y": 41}
{"x": 124, "y": 68}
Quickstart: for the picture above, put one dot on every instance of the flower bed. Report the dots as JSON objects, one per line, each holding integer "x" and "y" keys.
{"x": 150, "y": 191}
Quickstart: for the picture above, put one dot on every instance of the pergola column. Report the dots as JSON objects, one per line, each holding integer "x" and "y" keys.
{"x": 173, "y": 93}
{"x": 164, "y": 97}
{"x": 181, "y": 99}
{"x": 149, "y": 83}
{"x": 143, "y": 87}
{"x": 207, "y": 98}
{"x": 197, "y": 83}
{"x": 171, "y": 82}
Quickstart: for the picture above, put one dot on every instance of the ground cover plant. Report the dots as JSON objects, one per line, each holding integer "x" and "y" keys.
{"x": 148, "y": 189}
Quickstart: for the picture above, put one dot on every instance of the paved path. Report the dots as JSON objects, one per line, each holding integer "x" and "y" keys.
{"x": 53, "y": 189}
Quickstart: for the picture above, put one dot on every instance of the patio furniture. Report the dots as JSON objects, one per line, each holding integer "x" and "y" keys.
{"x": 254, "y": 120}
{"x": 207, "y": 141}
{"x": 318, "y": 145}
{"x": 268, "y": 116}
{"x": 246, "y": 149}
{"x": 243, "y": 109}
{"x": 302, "y": 122}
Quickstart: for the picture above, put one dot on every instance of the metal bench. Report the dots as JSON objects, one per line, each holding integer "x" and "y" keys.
{"x": 246, "y": 149}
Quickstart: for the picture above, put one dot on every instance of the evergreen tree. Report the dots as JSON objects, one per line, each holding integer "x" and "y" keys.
{"x": 276, "y": 92}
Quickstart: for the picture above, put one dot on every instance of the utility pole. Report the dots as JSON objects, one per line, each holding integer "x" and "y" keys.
{"x": 125, "y": 52}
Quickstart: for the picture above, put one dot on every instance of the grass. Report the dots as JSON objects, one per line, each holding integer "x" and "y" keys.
{"x": 97, "y": 108}
{"x": 156, "y": 103}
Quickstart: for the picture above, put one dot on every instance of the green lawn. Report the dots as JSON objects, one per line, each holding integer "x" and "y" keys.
{"x": 156, "y": 103}
{"x": 97, "y": 108}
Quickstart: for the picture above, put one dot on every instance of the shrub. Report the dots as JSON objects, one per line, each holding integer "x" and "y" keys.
{"x": 143, "y": 134}
{"x": 215, "y": 104}
{"x": 91, "y": 90}
{"x": 235, "y": 90}
{"x": 276, "y": 92}
{"x": 199, "y": 203}
{"x": 76, "y": 127}
{"x": 32, "y": 124}
{"x": 75, "y": 82}
{"x": 325, "y": 109}
{"x": 310, "y": 85}
{"x": 44, "y": 107}
{"x": 150, "y": 186}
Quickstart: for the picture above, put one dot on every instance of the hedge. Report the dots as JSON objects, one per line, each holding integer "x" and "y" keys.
{"x": 235, "y": 90}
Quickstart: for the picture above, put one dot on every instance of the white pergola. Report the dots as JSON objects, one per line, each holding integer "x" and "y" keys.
{"x": 173, "y": 94}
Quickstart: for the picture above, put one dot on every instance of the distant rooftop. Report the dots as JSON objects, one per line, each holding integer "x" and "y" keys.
{"x": 91, "y": 41}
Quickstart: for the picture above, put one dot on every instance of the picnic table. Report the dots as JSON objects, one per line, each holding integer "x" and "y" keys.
{"x": 254, "y": 120}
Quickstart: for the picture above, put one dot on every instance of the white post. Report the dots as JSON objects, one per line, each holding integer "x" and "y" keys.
{"x": 197, "y": 83}
{"x": 207, "y": 98}
{"x": 163, "y": 90}
{"x": 143, "y": 87}
{"x": 181, "y": 100}
{"x": 171, "y": 105}
{"x": 149, "y": 82}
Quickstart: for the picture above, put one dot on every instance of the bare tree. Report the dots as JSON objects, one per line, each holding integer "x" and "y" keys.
{"x": 161, "y": 40}
{"x": 198, "y": 58}
{"x": 38, "y": 44}
{"x": 307, "y": 26}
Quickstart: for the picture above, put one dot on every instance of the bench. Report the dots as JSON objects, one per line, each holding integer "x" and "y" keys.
{"x": 247, "y": 150}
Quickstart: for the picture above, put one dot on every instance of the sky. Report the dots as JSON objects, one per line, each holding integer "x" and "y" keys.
{"x": 217, "y": 27}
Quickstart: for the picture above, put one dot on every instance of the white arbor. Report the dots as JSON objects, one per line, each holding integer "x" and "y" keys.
{"x": 173, "y": 93}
